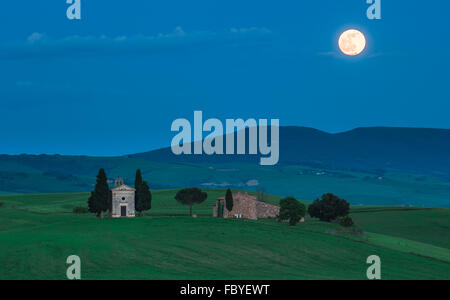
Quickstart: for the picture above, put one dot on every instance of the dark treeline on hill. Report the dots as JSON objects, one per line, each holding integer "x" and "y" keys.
{"x": 417, "y": 150}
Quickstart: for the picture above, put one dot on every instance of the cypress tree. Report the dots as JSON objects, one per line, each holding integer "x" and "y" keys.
{"x": 229, "y": 200}
{"x": 219, "y": 210}
{"x": 143, "y": 197}
{"x": 139, "y": 198}
{"x": 99, "y": 201}
{"x": 147, "y": 196}
{"x": 137, "y": 187}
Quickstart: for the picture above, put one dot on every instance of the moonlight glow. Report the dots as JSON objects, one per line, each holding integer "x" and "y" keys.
{"x": 352, "y": 42}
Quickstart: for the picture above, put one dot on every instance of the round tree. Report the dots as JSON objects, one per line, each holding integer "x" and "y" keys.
{"x": 329, "y": 208}
{"x": 190, "y": 196}
{"x": 291, "y": 209}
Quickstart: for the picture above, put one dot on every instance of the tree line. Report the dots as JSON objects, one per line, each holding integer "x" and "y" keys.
{"x": 329, "y": 208}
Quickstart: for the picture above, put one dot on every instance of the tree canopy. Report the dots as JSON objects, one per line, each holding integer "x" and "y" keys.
{"x": 291, "y": 209}
{"x": 329, "y": 208}
{"x": 191, "y": 196}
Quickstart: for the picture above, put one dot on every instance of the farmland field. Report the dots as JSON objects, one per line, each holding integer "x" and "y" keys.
{"x": 38, "y": 232}
{"x": 77, "y": 174}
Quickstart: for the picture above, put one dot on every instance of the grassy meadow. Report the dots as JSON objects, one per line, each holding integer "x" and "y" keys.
{"x": 77, "y": 174}
{"x": 38, "y": 232}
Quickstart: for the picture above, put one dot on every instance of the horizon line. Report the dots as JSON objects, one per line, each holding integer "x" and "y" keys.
{"x": 166, "y": 147}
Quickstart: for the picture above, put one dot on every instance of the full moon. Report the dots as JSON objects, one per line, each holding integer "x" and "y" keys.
{"x": 352, "y": 42}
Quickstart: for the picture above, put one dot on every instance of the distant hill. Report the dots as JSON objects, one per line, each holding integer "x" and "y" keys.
{"x": 372, "y": 166}
{"x": 417, "y": 150}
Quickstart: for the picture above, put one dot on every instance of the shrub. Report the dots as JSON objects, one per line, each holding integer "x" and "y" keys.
{"x": 346, "y": 221}
{"x": 329, "y": 208}
{"x": 291, "y": 209}
{"x": 1, "y": 204}
{"x": 80, "y": 210}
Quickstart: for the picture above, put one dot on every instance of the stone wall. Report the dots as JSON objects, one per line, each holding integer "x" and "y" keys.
{"x": 244, "y": 206}
{"x": 123, "y": 198}
{"x": 266, "y": 210}
{"x": 248, "y": 207}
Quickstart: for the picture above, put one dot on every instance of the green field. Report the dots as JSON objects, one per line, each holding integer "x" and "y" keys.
{"x": 428, "y": 226}
{"x": 38, "y": 232}
{"x": 50, "y": 174}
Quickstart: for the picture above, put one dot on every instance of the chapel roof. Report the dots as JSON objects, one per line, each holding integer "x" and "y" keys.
{"x": 123, "y": 187}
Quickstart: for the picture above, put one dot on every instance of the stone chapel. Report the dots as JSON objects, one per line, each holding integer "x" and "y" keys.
{"x": 123, "y": 200}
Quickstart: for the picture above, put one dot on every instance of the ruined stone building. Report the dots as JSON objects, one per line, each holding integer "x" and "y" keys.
{"x": 245, "y": 206}
{"x": 123, "y": 200}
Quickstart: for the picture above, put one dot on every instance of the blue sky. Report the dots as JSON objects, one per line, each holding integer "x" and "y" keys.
{"x": 113, "y": 82}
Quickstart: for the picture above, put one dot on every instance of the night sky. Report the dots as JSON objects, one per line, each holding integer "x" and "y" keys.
{"x": 113, "y": 82}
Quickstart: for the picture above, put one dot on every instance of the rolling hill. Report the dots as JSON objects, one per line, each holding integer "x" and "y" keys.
{"x": 371, "y": 166}
{"x": 416, "y": 150}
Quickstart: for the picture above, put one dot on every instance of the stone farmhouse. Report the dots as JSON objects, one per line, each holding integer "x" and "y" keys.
{"x": 123, "y": 200}
{"x": 245, "y": 206}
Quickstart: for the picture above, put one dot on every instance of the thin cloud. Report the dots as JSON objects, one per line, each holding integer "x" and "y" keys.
{"x": 329, "y": 53}
{"x": 378, "y": 54}
{"x": 340, "y": 55}
{"x": 39, "y": 45}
